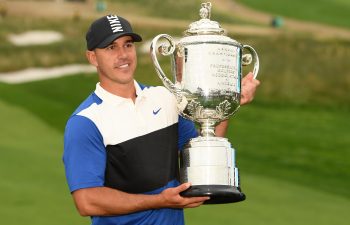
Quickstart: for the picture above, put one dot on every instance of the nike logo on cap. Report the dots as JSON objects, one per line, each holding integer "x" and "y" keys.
{"x": 115, "y": 23}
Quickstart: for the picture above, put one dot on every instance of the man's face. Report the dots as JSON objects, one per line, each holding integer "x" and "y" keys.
{"x": 117, "y": 62}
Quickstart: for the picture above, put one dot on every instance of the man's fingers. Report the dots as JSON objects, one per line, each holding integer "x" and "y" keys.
{"x": 182, "y": 187}
{"x": 200, "y": 199}
{"x": 190, "y": 200}
{"x": 257, "y": 82}
{"x": 194, "y": 205}
{"x": 196, "y": 201}
{"x": 250, "y": 75}
{"x": 247, "y": 78}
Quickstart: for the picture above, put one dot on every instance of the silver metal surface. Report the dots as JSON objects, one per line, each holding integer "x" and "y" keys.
{"x": 208, "y": 160}
{"x": 206, "y": 69}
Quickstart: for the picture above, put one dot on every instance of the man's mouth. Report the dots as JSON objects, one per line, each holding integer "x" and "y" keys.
{"x": 123, "y": 66}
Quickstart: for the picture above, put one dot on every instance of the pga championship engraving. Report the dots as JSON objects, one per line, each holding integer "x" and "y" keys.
{"x": 207, "y": 72}
{"x": 217, "y": 74}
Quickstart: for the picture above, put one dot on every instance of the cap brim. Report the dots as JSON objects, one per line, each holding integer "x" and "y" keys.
{"x": 110, "y": 39}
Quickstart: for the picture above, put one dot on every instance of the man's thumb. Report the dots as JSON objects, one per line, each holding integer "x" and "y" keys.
{"x": 183, "y": 187}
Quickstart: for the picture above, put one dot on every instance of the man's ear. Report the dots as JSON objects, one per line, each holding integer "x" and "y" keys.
{"x": 91, "y": 57}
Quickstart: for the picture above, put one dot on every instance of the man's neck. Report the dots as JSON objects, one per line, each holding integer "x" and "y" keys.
{"x": 121, "y": 90}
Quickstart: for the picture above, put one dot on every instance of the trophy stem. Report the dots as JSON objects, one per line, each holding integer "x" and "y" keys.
{"x": 207, "y": 128}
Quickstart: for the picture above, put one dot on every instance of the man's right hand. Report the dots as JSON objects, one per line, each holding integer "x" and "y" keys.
{"x": 172, "y": 199}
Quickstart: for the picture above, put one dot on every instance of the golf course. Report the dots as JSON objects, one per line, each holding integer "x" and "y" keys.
{"x": 292, "y": 142}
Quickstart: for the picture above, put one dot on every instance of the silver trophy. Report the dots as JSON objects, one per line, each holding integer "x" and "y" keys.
{"x": 207, "y": 71}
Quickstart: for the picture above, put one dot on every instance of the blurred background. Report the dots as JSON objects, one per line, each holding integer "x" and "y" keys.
{"x": 292, "y": 142}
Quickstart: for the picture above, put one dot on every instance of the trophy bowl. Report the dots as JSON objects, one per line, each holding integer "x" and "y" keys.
{"x": 207, "y": 72}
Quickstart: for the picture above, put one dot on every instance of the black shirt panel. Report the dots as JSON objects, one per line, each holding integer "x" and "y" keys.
{"x": 143, "y": 163}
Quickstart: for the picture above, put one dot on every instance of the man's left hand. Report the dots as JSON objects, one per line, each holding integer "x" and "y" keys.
{"x": 249, "y": 85}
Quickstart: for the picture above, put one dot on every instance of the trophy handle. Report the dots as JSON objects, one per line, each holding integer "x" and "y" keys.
{"x": 165, "y": 49}
{"x": 247, "y": 59}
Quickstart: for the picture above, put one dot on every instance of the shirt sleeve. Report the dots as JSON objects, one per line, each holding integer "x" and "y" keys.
{"x": 186, "y": 131}
{"x": 84, "y": 154}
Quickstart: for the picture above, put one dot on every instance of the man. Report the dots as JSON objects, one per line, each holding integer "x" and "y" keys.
{"x": 121, "y": 144}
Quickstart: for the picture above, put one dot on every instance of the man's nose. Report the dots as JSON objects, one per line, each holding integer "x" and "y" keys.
{"x": 121, "y": 53}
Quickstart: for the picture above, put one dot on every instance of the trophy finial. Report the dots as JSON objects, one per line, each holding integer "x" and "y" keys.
{"x": 204, "y": 12}
{"x": 204, "y": 25}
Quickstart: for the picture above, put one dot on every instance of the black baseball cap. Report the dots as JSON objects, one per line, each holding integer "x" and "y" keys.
{"x": 105, "y": 30}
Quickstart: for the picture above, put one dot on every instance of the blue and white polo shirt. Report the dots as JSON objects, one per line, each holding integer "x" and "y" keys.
{"x": 130, "y": 146}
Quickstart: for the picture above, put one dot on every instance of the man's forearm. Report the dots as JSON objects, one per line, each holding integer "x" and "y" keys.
{"x": 102, "y": 201}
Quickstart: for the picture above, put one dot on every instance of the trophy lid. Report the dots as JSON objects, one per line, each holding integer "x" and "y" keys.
{"x": 205, "y": 25}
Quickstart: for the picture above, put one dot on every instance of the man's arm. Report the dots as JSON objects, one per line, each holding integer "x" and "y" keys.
{"x": 249, "y": 85}
{"x": 221, "y": 128}
{"x": 104, "y": 201}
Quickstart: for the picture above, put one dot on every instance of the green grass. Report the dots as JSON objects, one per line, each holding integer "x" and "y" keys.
{"x": 70, "y": 50}
{"x": 332, "y": 12}
{"x": 32, "y": 186}
{"x": 51, "y": 100}
{"x": 304, "y": 145}
{"x": 181, "y": 9}
{"x": 272, "y": 201}
{"x": 161, "y": 8}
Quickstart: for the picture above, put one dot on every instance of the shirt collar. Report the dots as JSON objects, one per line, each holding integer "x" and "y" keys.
{"x": 107, "y": 96}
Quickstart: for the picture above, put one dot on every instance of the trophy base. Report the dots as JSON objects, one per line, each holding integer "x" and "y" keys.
{"x": 219, "y": 194}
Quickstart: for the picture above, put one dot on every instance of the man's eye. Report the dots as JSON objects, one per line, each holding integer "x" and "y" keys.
{"x": 129, "y": 44}
{"x": 110, "y": 47}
